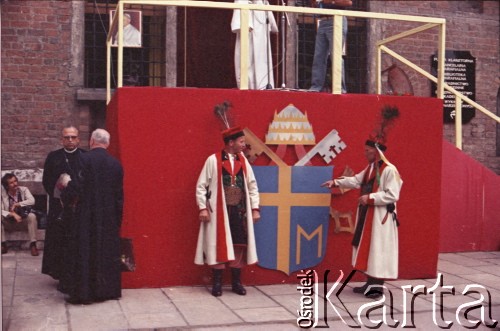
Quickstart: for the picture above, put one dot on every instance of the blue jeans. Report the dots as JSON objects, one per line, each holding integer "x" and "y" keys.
{"x": 322, "y": 49}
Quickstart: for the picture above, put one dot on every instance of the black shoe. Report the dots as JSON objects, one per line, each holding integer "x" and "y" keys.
{"x": 217, "y": 290}
{"x": 217, "y": 282}
{"x": 360, "y": 289}
{"x": 374, "y": 292}
{"x": 375, "y": 284}
{"x": 238, "y": 289}
{"x": 236, "y": 282}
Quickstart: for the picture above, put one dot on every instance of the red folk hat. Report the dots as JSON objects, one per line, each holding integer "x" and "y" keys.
{"x": 232, "y": 133}
{"x": 376, "y": 141}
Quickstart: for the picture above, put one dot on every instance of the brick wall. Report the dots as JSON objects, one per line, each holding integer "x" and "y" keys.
{"x": 470, "y": 26}
{"x": 38, "y": 96}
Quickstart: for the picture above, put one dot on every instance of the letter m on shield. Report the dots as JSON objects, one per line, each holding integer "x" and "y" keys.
{"x": 295, "y": 212}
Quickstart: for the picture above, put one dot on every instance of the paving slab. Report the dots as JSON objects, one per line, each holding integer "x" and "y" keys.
{"x": 98, "y": 322}
{"x": 475, "y": 255}
{"x": 155, "y": 320}
{"x": 278, "y": 289}
{"x": 290, "y": 302}
{"x": 32, "y": 285}
{"x": 133, "y": 301}
{"x": 487, "y": 280}
{"x": 253, "y": 299}
{"x": 209, "y": 311}
{"x": 455, "y": 269}
{"x": 31, "y": 302}
{"x": 273, "y": 314}
{"x": 39, "y": 324}
{"x": 44, "y": 306}
{"x": 467, "y": 260}
{"x": 252, "y": 327}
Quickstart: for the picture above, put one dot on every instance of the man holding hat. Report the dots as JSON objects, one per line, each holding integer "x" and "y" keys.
{"x": 375, "y": 242}
{"x": 228, "y": 200}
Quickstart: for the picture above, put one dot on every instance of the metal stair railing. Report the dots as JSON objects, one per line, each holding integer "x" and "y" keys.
{"x": 459, "y": 97}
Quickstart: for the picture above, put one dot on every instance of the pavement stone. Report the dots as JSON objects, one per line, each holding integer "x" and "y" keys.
{"x": 30, "y": 301}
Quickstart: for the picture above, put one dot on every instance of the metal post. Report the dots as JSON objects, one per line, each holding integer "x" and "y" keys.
{"x": 244, "y": 47}
{"x": 120, "y": 44}
{"x": 441, "y": 58}
{"x": 336, "y": 55}
{"x": 108, "y": 71}
{"x": 458, "y": 122}
{"x": 378, "y": 69}
{"x": 283, "y": 48}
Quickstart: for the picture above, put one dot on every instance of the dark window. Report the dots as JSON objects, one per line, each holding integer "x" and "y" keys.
{"x": 355, "y": 60}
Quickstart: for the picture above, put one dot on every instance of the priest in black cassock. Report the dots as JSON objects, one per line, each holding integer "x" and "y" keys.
{"x": 94, "y": 259}
{"x": 58, "y": 162}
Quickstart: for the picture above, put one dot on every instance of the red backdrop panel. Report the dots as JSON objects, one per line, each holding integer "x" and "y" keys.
{"x": 470, "y": 212}
{"x": 163, "y": 137}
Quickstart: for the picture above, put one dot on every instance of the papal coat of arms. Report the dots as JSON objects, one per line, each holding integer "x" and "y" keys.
{"x": 295, "y": 209}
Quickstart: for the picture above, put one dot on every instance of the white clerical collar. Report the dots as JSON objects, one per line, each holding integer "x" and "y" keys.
{"x": 70, "y": 151}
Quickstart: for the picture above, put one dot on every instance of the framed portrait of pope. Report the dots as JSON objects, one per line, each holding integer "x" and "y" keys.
{"x": 132, "y": 28}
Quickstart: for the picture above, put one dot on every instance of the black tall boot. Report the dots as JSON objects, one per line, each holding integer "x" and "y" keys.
{"x": 217, "y": 281}
{"x": 376, "y": 290}
{"x": 360, "y": 289}
{"x": 236, "y": 282}
{"x": 369, "y": 281}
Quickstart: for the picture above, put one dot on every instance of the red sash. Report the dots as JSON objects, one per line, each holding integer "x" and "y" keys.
{"x": 361, "y": 262}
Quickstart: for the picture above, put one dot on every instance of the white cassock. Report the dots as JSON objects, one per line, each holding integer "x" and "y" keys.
{"x": 260, "y": 67}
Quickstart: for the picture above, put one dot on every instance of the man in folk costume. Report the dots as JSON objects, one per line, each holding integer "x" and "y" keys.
{"x": 260, "y": 65}
{"x": 375, "y": 242}
{"x": 228, "y": 199}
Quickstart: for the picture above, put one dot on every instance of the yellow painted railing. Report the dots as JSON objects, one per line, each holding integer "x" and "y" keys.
{"x": 459, "y": 97}
{"x": 244, "y": 33}
{"x": 428, "y": 23}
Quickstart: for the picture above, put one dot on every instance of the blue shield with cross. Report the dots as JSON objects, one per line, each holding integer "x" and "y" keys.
{"x": 295, "y": 212}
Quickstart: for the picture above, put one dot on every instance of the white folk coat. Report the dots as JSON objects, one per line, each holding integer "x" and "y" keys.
{"x": 206, "y": 250}
{"x": 260, "y": 65}
{"x": 381, "y": 244}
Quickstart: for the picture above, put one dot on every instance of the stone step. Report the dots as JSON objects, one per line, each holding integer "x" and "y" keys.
{"x": 21, "y": 239}
{"x": 23, "y": 235}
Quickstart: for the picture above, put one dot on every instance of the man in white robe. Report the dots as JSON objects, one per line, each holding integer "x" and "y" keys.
{"x": 260, "y": 61}
{"x": 375, "y": 242}
{"x": 228, "y": 200}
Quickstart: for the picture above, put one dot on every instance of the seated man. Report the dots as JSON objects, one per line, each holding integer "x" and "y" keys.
{"x": 16, "y": 212}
